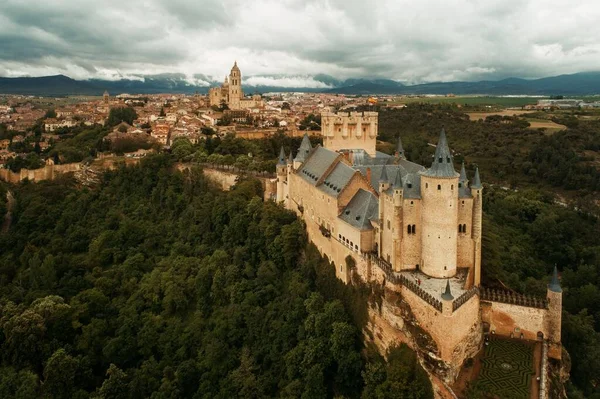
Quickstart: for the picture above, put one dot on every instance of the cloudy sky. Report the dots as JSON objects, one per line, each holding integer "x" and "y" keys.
{"x": 410, "y": 41}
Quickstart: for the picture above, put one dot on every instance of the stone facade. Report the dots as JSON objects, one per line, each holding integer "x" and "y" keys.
{"x": 412, "y": 230}
{"x": 232, "y": 94}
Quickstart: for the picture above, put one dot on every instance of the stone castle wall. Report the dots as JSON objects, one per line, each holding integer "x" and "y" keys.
{"x": 48, "y": 172}
{"x": 344, "y": 131}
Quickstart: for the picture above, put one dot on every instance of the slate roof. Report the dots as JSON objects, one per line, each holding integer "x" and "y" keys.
{"x": 363, "y": 207}
{"x": 316, "y": 164}
{"x": 399, "y": 148}
{"x": 442, "y": 165}
{"x": 281, "y": 160}
{"x": 338, "y": 179}
{"x": 554, "y": 285}
{"x": 304, "y": 150}
{"x": 405, "y": 168}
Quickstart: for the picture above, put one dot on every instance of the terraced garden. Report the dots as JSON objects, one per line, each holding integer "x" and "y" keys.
{"x": 506, "y": 369}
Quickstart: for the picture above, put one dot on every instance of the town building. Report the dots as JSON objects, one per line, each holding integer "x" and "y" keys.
{"x": 232, "y": 94}
{"x": 414, "y": 230}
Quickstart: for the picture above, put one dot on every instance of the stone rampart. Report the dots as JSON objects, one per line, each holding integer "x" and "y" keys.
{"x": 48, "y": 172}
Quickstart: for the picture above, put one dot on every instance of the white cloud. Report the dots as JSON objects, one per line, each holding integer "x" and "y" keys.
{"x": 287, "y": 81}
{"x": 411, "y": 41}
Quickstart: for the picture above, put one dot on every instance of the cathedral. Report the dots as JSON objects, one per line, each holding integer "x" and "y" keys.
{"x": 231, "y": 93}
{"x": 414, "y": 230}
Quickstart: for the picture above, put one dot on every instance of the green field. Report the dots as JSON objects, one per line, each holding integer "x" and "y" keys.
{"x": 506, "y": 369}
{"x": 468, "y": 100}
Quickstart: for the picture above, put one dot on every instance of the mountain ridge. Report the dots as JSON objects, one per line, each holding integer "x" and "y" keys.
{"x": 578, "y": 84}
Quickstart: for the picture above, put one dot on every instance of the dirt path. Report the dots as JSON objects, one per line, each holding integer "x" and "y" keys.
{"x": 10, "y": 204}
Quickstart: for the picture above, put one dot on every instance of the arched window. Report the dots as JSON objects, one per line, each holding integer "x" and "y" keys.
{"x": 464, "y": 228}
{"x": 439, "y": 186}
{"x": 460, "y": 230}
{"x": 389, "y": 225}
{"x": 413, "y": 229}
{"x": 452, "y": 187}
{"x": 408, "y": 229}
{"x": 426, "y": 185}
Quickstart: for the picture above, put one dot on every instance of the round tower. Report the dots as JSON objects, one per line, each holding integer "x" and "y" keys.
{"x": 282, "y": 170}
{"x": 476, "y": 193}
{"x": 554, "y": 295}
{"x": 439, "y": 193}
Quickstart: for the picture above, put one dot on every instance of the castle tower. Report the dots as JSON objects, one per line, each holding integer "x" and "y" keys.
{"x": 282, "y": 172}
{"x": 303, "y": 151}
{"x": 476, "y": 193}
{"x": 439, "y": 192}
{"x": 235, "y": 87}
{"x": 385, "y": 238}
{"x": 349, "y": 131}
{"x": 554, "y": 295}
{"x": 398, "y": 230}
{"x": 106, "y": 98}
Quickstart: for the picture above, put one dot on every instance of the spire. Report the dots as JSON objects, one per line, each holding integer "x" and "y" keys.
{"x": 463, "y": 174}
{"x": 384, "y": 176}
{"x": 291, "y": 157}
{"x": 447, "y": 295}
{"x": 554, "y": 285}
{"x": 442, "y": 165}
{"x": 304, "y": 149}
{"x": 398, "y": 179}
{"x": 399, "y": 148}
{"x": 476, "y": 180}
{"x": 281, "y": 157}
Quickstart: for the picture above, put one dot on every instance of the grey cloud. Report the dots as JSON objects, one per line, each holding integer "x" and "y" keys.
{"x": 410, "y": 41}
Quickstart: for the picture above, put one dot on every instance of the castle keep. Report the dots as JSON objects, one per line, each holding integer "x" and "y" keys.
{"x": 414, "y": 230}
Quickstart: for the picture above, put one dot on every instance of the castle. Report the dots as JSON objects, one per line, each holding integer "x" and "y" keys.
{"x": 417, "y": 232}
{"x": 231, "y": 93}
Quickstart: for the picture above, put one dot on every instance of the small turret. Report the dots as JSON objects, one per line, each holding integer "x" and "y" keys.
{"x": 447, "y": 295}
{"x": 554, "y": 285}
{"x": 303, "y": 151}
{"x": 290, "y": 158}
{"x": 398, "y": 181}
{"x": 477, "y": 180}
{"x": 463, "y": 183}
{"x": 281, "y": 157}
{"x": 447, "y": 299}
{"x": 399, "y": 149}
{"x": 384, "y": 177}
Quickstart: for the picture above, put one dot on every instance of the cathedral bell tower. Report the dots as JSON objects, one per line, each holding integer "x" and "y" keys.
{"x": 235, "y": 87}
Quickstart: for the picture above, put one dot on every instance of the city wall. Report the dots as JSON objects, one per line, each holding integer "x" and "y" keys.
{"x": 48, "y": 172}
{"x": 515, "y": 321}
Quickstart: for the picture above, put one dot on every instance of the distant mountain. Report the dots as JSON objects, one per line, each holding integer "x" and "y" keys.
{"x": 58, "y": 85}
{"x": 587, "y": 83}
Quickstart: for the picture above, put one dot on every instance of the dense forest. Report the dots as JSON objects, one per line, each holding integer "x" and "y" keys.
{"x": 505, "y": 149}
{"x": 157, "y": 285}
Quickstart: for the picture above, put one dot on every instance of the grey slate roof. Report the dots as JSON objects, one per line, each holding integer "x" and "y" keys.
{"x": 363, "y": 207}
{"x": 412, "y": 186}
{"x": 304, "y": 150}
{"x": 316, "y": 164}
{"x": 338, "y": 179}
{"x": 281, "y": 160}
{"x": 405, "y": 168}
{"x": 463, "y": 184}
{"x": 291, "y": 157}
{"x": 398, "y": 179}
{"x": 442, "y": 165}
{"x": 399, "y": 148}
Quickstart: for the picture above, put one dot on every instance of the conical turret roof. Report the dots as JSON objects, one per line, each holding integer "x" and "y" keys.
{"x": 384, "y": 177}
{"x": 463, "y": 174}
{"x": 463, "y": 184}
{"x": 399, "y": 148}
{"x": 476, "y": 180}
{"x": 398, "y": 179}
{"x": 281, "y": 157}
{"x": 442, "y": 165}
{"x": 447, "y": 295}
{"x": 305, "y": 148}
{"x": 554, "y": 285}
{"x": 291, "y": 157}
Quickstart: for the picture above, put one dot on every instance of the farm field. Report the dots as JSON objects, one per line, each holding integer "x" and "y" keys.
{"x": 468, "y": 100}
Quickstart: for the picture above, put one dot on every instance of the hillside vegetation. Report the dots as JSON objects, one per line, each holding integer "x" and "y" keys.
{"x": 157, "y": 285}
